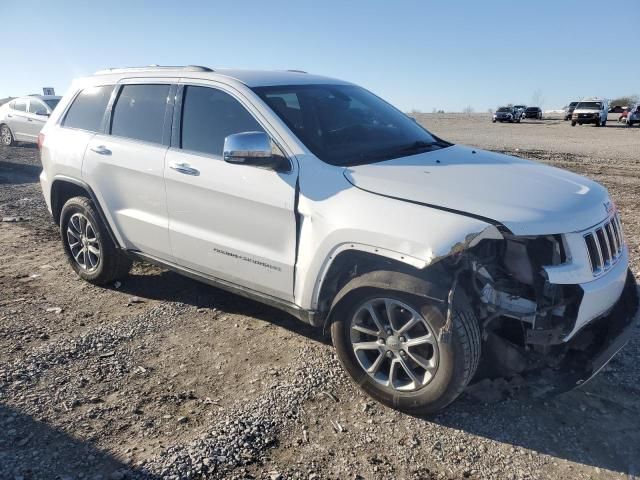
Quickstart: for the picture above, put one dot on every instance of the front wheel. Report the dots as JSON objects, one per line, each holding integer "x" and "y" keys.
{"x": 90, "y": 251}
{"x": 6, "y": 137}
{"x": 389, "y": 344}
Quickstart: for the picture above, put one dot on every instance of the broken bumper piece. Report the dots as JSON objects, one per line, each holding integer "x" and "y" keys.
{"x": 599, "y": 341}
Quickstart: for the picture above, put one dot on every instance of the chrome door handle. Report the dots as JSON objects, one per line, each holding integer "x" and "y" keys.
{"x": 184, "y": 168}
{"x": 101, "y": 150}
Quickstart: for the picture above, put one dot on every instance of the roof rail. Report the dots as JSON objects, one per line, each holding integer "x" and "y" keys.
{"x": 152, "y": 68}
{"x": 296, "y": 71}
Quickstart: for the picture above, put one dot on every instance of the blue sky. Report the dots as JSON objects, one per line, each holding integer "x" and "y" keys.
{"x": 416, "y": 54}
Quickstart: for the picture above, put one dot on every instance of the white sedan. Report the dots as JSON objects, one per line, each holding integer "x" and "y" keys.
{"x": 22, "y": 118}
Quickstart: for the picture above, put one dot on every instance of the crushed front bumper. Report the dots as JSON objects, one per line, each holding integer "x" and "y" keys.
{"x": 599, "y": 341}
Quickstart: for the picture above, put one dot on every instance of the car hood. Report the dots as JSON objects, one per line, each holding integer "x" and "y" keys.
{"x": 586, "y": 110}
{"x": 528, "y": 198}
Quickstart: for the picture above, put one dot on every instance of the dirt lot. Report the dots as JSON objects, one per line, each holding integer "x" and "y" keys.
{"x": 162, "y": 377}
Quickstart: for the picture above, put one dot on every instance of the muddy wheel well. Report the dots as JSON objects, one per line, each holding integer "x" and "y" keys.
{"x": 61, "y": 191}
{"x": 353, "y": 263}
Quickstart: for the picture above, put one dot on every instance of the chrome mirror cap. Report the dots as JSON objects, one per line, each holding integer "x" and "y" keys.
{"x": 241, "y": 147}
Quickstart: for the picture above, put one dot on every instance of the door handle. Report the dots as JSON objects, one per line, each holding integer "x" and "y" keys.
{"x": 101, "y": 150}
{"x": 9, "y": 115}
{"x": 29, "y": 119}
{"x": 184, "y": 168}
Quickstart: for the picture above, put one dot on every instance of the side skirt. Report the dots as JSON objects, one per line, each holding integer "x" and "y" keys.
{"x": 308, "y": 316}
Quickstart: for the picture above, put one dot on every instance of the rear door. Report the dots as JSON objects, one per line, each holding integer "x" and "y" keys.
{"x": 125, "y": 164}
{"x": 230, "y": 221}
{"x": 17, "y": 120}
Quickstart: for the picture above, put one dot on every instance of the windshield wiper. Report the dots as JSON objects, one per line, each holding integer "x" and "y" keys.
{"x": 419, "y": 146}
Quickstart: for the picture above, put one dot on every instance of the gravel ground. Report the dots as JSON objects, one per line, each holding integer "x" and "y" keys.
{"x": 162, "y": 377}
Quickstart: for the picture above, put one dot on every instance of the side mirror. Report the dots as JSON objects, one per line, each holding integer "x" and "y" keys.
{"x": 252, "y": 148}
{"x": 42, "y": 113}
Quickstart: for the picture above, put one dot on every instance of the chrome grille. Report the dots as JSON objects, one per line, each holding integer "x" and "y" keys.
{"x": 604, "y": 244}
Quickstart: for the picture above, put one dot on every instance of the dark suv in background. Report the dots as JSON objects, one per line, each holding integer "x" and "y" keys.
{"x": 568, "y": 110}
{"x": 533, "y": 112}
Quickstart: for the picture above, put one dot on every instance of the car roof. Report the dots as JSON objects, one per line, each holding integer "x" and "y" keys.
{"x": 251, "y": 78}
{"x": 41, "y": 97}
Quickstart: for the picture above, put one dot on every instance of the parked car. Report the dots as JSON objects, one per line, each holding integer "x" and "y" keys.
{"x": 623, "y": 116}
{"x": 533, "y": 112}
{"x": 591, "y": 110}
{"x": 22, "y": 118}
{"x": 443, "y": 256}
{"x": 633, "y": 115}
{"x": 522, "y": 108}
{"x": 616, "y": 109}
{"x": 568, "y": 110}
{"x": 507, "y": 114}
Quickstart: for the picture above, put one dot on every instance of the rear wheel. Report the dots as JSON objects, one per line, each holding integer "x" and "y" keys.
{"x": 388, "y": 343}
{"x": 90, "y": 250}
{"x": 6, "y": 137}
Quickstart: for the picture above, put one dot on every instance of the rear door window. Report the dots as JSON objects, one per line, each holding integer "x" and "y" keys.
{"x": 20, "y": 105}
{"x": 139, "y": 112}
{"x": 87, "y": 110}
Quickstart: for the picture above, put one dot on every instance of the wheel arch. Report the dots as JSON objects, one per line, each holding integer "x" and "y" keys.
{"x": 352, "y": 270}
{"x": 64, "y": 188}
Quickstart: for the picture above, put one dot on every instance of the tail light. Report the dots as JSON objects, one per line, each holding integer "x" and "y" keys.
{"x": 40, "y": 140}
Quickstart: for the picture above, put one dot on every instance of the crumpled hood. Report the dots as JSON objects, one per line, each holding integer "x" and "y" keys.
{"x": 529, "y": 198}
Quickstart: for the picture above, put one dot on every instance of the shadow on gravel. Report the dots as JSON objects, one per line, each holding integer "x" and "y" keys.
{"x": 14, "y": 173}
{"x": 31, "y": 449}
{"x": 169, "y": 286}
{"x": 596, "y": 426}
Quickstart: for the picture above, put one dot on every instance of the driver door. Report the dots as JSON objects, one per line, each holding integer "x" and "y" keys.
{"x": 37, "y": 115}
{"x": 229, "y": 221}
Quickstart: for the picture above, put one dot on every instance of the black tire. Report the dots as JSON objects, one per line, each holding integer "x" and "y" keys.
{"x": 6, "y": 135}
{"x": 458, "y": 358}
{"x": 573, "y": 124}
{"x": 493, "y": 121}
{"x": 597, "y": 123}
{"x": 112, "y": 263}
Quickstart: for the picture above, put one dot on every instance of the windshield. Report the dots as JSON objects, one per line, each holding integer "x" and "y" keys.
{"x": 532, "y": 109}
{"x": 347, "y": 125}
{"x": 573, "y": 104}
{"x": 504, "y": 109}
{"x": 519, "y": 106}
{"x": 589, "y": 106}
{"x": 52, "y": 103}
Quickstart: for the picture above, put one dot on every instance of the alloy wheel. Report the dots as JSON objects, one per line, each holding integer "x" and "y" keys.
{"x": 5, "y": 135}
{"x": 394, "y": 344}
{"x": 83, "y": 242}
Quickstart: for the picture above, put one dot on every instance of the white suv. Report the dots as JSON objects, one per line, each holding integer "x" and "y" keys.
{"x": 429, "y": 262}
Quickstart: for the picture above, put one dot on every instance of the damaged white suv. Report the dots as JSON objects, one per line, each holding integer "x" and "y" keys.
{"x": 431, "y": 263}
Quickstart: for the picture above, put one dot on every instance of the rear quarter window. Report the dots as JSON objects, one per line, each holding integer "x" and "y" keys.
{"x": 87, "y": 110}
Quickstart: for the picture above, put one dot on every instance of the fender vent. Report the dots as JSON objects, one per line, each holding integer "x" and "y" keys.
{"x": 604, "y": 245}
